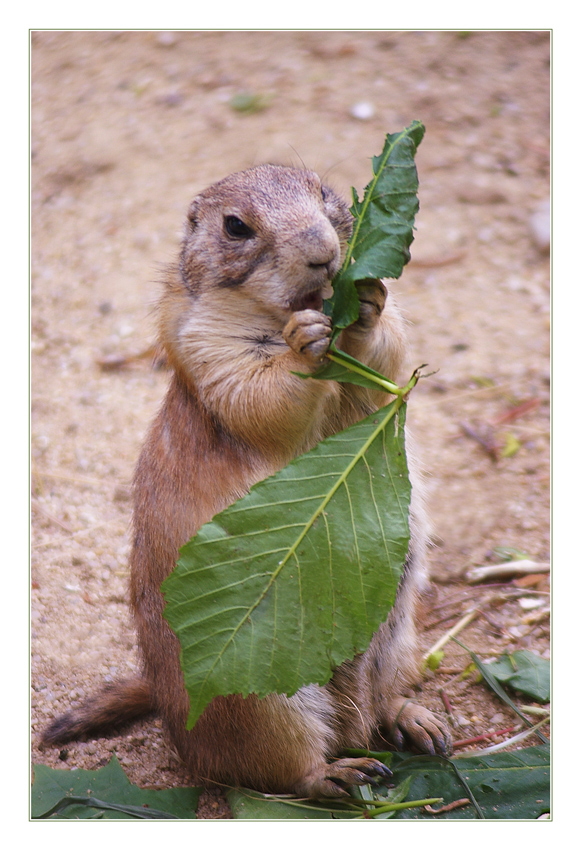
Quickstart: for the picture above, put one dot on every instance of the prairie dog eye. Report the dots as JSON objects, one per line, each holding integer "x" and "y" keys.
{"x": 236, "y": 228}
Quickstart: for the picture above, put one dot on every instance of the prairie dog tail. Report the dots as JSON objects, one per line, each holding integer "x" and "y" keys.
{"x": 113, "y": 706}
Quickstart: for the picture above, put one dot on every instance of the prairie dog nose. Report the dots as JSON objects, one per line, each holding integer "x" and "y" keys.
{"x": 320, "y": 247}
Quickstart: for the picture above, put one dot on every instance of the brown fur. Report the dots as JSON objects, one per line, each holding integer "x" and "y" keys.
{"x": 240, "y": 313}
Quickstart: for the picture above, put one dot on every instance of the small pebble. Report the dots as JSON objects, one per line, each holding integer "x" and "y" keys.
{"x": 141, "y": 240}
{"x": 540, "y": 226}
{"x": 166, "y": 39}
{"x": 481, "y": 195}
{"x": 528, "y": 603}
{"x": 172, "y": 98}
{"x": 363, "y": 111}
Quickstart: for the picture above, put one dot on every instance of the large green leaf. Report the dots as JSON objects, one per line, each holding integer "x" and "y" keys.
{"x": 290, "y": 581}
{"x": 383, "y": 223}
{"x": 107, "y": 794}
{"x": 504, "y": 785}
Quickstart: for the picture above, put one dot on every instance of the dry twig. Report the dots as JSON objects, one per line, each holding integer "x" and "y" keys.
{"x": 506, "y": 570}
{"x": 461, "y": 624}
{"x": 486, "y": 440}
{"x": 449, "y": 807}
{"x": 516, "y": 412}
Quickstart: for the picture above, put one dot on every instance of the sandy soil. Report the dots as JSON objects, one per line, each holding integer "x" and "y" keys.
{"x": 126, "y": 128}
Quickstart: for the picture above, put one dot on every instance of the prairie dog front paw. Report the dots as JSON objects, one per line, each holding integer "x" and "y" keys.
{"x": 406, "y": 722}
{"x": 372, "y": 295}
{"x": 308, "y": 333}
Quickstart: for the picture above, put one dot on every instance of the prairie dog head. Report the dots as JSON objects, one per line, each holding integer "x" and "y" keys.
{"x": 276, "y": 235}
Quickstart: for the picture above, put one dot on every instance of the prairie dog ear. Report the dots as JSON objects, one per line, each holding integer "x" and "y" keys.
{"x": 192, "y": 217}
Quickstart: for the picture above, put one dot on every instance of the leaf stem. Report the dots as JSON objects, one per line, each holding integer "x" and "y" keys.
{"x": 382, "y": 382}
{"x": 353, "y": 365}
{"x": 380, "y": 808}
{"x": 509, "y": 741}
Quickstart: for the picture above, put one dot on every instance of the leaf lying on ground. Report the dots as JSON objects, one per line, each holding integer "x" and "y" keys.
{"x": 107, "y": 794}
{"x": 504, "y": 785}
{"x": 525, "y": 672}
{"x": 494, "y": 684}
{"x": 498, "y": 786}
{"x": 286, "y": 584}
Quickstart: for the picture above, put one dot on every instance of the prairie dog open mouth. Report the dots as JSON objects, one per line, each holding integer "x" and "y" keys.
{"x": 312, "y": 300}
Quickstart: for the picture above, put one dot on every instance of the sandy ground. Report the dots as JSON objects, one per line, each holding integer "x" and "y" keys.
{"x": 126, "y": 128}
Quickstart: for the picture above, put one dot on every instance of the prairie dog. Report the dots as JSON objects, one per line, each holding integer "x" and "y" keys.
{"x": 241, "y": 312}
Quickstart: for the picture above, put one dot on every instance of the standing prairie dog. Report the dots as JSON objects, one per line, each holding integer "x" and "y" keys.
{"x": 242, "y": 311}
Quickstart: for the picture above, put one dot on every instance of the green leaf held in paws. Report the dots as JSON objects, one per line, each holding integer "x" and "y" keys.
{"x": 286, "y": 584}
{"x": 383, "y": 224}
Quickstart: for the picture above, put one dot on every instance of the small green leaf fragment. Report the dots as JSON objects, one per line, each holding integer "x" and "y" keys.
{"x": 493, "y": 683}
{"x": 249, "y": 102}
{"x": 525, "y": 672}
{"x": 511, "y": 446}
{"x": 509, "y": 553}
{"x": 434, "y": 660}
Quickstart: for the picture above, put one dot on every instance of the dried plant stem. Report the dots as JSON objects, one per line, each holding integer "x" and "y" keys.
{"x": 504, "y": 744}
{"x": 461, "y": 624}
{"x": 467, "y": 741}
{"x": 512, "y": 568}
